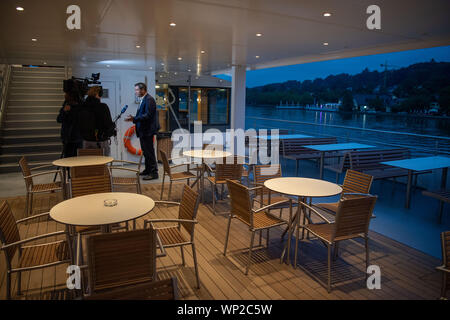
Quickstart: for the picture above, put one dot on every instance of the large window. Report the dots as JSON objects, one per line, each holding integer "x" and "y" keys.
{"x": 217, "y": 106}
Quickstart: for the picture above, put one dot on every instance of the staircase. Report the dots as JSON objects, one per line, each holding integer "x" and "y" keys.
{"x": 29, "y": 126}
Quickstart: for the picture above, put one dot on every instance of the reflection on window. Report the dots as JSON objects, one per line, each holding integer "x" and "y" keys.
{"x": 183, "y": 100}
{"x": 194, "y": 106}
{"x": 217, "y": 106}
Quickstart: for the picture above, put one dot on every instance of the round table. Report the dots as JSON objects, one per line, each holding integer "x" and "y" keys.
{"x": 301, "y": 188}
{"x": 79, "y": 161}
{"x": 205, "y": 155}
{"x": 90, "y": 210}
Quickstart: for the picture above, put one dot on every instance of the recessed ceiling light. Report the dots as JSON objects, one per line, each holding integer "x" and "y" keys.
{"x": 189, "y": 70}
{"x": 259, "y": 34}
{"x": 220, "y": 80}
{"x": 172, "y": 24}
{"x": 138, "y": 46}
{"x": 327, "y": 14}
{"x": 325, "y": 43}
{"x": 107, "y": 65}
{"x": 20, "y": 9}
{"x": 203, "y": 52}
{"x": 175, "y": 73}
{"x": 150, "y": 68}
{"x": 257, "y": 57}
{"x": 160, "y": 76}
{"x": 162, "y": 63}
{"x": 44, "y": 62}
{"x": 180, "y": 58}
{"x": 34, "y": 39}
{"x": 157, "y": 86}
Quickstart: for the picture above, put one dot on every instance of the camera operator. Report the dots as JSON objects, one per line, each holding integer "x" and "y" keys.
{"x": 95, "y": 122}
{"x": 70, "y": 131}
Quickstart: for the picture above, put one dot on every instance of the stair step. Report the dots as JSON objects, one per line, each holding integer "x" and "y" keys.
{"x": 35, "y": 90}
{"x": 31, "y": 79}
{"x": 28, "y": 138}
{"x": 34, "y": 109}
{"x": 35, "y": 85}
{"x": 43, "y": 69}
{"x": 31, "y": 130}
{"x": 38, "y": 71}
{"x": 32, "y": 116}
{"x": 24, "y": 148}
{"x": 35, "y": 102}
{"x": 28, "y": 123}
{"x": 37, "y": 156}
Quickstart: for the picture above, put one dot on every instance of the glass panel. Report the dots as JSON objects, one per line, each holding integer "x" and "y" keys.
{"x": 183, "y": 100}
{"x": 217, "y": 106}
{"x": 194, "y": 106}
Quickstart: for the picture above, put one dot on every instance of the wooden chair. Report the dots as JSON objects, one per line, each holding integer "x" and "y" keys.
{"x": 155, "y": 290}
{"x": 264, "y": 197}
{"x": 256, "y": 219}
{"x": 90, "y": 152}
{"x": 173, "y": 176}
{"x": 445, "y": 268}
{"x": 442, "y": 195}
{"x": 172, "y": 236}
{"x": 117, "y": 260}
{"x": 352, "y": 221}
{"x": 224, "y": 171}
{"x": 33, "y": 188}
{"x": 30, "y": 257}
{"x": 355, "y": 183}
{"x": 126, "y": 181}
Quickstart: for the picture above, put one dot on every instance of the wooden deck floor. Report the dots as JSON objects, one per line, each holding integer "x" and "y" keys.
{"x": 405, "y": 272}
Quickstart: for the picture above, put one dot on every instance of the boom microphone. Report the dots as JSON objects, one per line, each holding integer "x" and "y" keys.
{"x": 124, "y": 109}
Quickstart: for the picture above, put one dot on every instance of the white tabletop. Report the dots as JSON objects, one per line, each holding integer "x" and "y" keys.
{"x": 284, "y": 136}
{"x": 207, "y": 154}
{"x": 90, "y": 210}
{"x": 419, "y": 164}
{"x": 82, "y": 161}
{"x": 339, "y": 146}
{"x": 303, "y": 187}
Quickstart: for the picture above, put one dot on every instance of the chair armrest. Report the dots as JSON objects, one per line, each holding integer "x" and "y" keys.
{"x": 179, "y": 165}
{"x": 443, "y": 269}
{"x": 57, "y": 233}
{"x": 42, "y": 173}
{"x": 32, "y": 217}
{"x": 169, "y": 220}
{"x": 126, "y": 161}
{"x": 316, "y": 212}
{"x": 356, "y": 194}
{"x": 125, "y": 169}
{"x": 43, "y": 166}
{"x": 272, "y": 205}
{"x": 167, "y": 202}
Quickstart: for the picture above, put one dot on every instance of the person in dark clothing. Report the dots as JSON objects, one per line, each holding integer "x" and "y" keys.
{"x": 70, "y": 131}
{"x": 96, "y": 125}
{"x": 147, "y": 125}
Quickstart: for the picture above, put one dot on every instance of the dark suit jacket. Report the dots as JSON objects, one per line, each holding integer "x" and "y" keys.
{"x": 146, "y": 119}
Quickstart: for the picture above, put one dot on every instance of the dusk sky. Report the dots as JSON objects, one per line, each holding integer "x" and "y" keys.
{"x": 311, "y": 71}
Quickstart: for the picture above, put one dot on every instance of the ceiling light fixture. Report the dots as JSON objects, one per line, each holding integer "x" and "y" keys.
{"x": 162, "y": 63}
{"x": 138, "y": 46}
{"x": 151, "y": 68}
{"x": 259, "y": 34}
{"x": 180, "y": 58}
{"x": 189, "y": 70}
{"x": 172, "y": 24}
{"x": 327, "y": 14}
{"x": 257, "y": 57}
{"x": 45, "y": 62}
{"x": 20, "y": 9}
{"x": 325, "y": 43}
{"x": 203, "y": 52}
{"x": 107, "y": 65}
{"x": 34, "y": 39}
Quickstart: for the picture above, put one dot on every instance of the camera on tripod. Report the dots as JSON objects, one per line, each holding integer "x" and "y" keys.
{"x": 80, "y": 86}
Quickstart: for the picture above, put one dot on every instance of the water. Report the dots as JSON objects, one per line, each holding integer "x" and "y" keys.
{"x": 417, "y": 227}
{"x": 346, "y": 127}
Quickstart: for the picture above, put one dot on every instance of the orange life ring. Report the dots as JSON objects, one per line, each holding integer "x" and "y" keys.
{"x": 127, "y": 141}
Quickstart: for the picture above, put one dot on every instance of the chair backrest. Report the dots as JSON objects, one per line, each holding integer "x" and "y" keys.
{"x": 353, "y": 217}
{"x": 122, "y": 258}
{"x": 165, "y": 162}
{"x": 82, "y": 186}
{"x": 445, "y": 242}
{"x": 90, "y": 152}
{"x": 367, "y": 159}
{"x": 297, "y": 145}
{"x": 240, "y": 201}
{"x": 23, "y": 163}
{"x": 157, "y": 290}
{"x": 88, "y": 171}
{"x": 188, "y": 207}
{"x": 356, "y": 182}
{"x": 9, "y": 233}
{"x": 264, "y": 172}
{"x": 230, "y": 168}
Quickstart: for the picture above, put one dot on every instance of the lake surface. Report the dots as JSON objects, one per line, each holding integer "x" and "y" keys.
{"x": 346, "y": 126}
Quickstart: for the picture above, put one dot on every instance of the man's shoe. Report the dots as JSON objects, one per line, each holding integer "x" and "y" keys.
{"x": 143, "y": 173}
{"x": 151, "y": 177}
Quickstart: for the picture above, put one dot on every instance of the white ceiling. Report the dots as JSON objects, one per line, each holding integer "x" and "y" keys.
{"x": 293, "y": 31}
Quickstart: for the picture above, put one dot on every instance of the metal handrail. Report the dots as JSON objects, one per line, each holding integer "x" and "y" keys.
{"x": 4, "y": 93}
{"x": 417, "y": 148}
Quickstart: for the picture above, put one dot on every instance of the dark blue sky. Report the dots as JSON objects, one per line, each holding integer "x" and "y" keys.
{"x": 311, "y": 71}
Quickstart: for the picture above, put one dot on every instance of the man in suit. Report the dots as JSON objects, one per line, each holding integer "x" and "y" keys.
{"x": 147, "y": 125}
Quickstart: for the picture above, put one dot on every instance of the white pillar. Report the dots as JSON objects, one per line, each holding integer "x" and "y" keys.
{"x": 238, "y": 97}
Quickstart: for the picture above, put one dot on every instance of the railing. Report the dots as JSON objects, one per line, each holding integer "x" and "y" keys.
{"x": 4, "y": 92}
{"x": 418, "y": 143}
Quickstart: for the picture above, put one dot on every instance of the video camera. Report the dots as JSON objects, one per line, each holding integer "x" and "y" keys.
{"x": 80, "y": 86}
